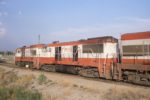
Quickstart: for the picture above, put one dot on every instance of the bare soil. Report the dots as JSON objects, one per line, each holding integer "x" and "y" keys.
{"x": 59, "y": 86}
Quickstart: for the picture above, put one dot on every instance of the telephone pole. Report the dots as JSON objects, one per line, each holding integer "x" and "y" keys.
{"x": 39, "y": 39}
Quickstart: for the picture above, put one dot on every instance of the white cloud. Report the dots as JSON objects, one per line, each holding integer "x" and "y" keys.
{"x": 134, "y": 24}
{"x": 19, "y": 12}
{"x": 143, "y": 20}
{"x": 2, "y": 31}
{"x": 2, "y": 2}
{"x": 134, "y": 19}
{"x": 3, "y": 13}
{"x": 116, "y": 28}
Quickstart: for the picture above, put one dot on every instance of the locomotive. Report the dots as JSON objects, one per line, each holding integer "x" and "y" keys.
{"x": 105, "y": 57}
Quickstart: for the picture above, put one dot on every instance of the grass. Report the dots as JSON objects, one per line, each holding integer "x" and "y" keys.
{"x": 42, "y": 79}
{"x": 14, "y": 87}
{"x": 7, "y": 77}
{"x": 126, "y": 94}
{"x": 18, "y": 94}
{"x": 24, "y": 81}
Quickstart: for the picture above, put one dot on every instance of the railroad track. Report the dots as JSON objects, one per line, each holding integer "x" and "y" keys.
{"x": 11, "y": 65}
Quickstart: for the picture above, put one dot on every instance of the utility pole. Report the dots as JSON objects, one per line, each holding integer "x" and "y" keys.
{"x": 39, "y": 39}
{"x": 38, "y": 61}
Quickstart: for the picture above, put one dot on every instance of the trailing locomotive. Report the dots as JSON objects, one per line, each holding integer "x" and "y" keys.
{"x": 135, "y": 53}
{"x": 102, "y": 57}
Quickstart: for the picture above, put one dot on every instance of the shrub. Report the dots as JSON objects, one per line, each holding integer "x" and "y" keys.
{"x": 42, "y": 79}
{"x": 24, "y": 81}
{"x": 13, "y": 87}
{"x": 7, "y": 78}
{"x": 18, "y": 94}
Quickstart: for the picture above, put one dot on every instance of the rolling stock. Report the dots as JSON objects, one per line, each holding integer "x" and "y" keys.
{"x": 103, "y": 57}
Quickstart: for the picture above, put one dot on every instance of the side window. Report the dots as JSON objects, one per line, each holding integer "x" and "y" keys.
{"x": 93, "y": 48}
{"x": 44, "y": 50}
{"x": 33, "y": 52}
{"x": 136, "y": 50}
{"x": 48, "y": 49}
{"x": 18, "y": 51}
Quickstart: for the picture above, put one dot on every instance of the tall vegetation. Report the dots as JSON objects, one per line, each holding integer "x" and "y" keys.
{"x": 13, "y": 87}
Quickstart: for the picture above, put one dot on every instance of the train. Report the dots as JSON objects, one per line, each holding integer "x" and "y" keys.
{"x": 126, "y": 59}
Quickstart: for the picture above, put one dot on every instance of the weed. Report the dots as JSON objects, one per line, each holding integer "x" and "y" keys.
{"x": 12, "y": 87}
{"x": 1, "y": 70}
{"x": 24, "y": 81}
{"x": 7, "y": 78}
{"x": 74, "y": 85}
{"x": 18, "y": 94}
{"x": 125, "y": 94}
{"x": 42, "y": 79}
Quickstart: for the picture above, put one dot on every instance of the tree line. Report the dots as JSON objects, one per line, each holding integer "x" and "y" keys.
{"x": 6, "y": 53}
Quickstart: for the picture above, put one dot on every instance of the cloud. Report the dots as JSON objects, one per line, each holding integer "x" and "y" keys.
{"x": 19, "y": 12}
{"x": 143, "y": 20}
{"x": 134, "y": 19}
{"x": 72, "y": 34}
{"x": 116, "y": 28}
{"x": 3, "y": 13}
{"x": 3, "y": 2}
{"x": 2, "y": 30}
{"x": 134, "y": 24}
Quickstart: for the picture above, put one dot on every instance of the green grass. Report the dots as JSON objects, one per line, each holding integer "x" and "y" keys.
{"x": 18, "y": 94}
{"x": 14, "y": 87}
{"x": 42, "y": 79}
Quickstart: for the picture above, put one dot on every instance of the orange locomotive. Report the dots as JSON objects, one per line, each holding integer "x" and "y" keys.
{"x": 135, "y": 56}
{"x": 95, "y": 57}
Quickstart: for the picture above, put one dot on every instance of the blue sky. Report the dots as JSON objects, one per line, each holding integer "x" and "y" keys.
{"x": 66, "y": 20}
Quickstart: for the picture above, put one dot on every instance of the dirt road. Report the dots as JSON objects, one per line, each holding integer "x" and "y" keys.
{"x": 70, "y": 87}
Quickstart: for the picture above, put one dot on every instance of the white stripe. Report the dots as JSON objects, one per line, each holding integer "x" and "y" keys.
{"x": 136, "y": 42}
{"x": 137, "y": 57}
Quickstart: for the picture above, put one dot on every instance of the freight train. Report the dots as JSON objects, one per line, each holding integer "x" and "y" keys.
{"x": 126, "y": 59}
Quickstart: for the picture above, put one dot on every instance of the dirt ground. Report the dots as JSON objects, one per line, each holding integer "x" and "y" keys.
{"x": 59, "y": 86}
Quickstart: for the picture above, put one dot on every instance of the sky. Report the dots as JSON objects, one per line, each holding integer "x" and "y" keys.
{"x": 21, "y": 21}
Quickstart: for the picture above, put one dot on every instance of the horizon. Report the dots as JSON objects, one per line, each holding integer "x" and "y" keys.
{"x": 21, "y": 21}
